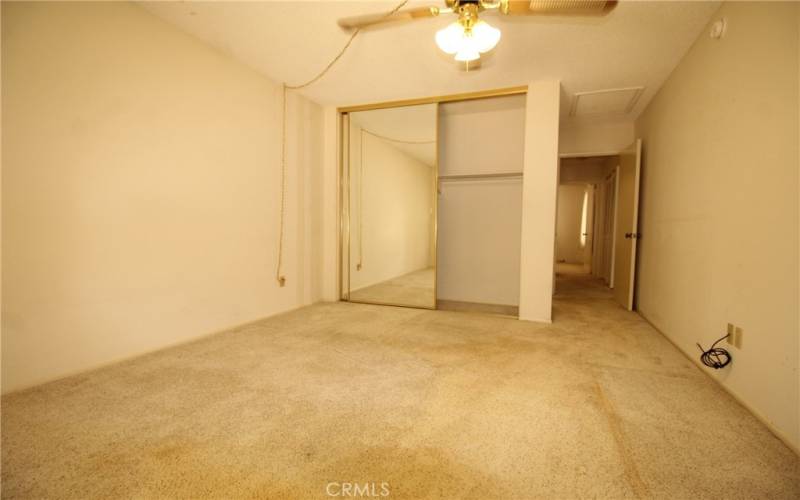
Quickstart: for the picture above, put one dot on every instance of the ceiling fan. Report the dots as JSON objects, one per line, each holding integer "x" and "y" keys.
{"x": 468, "y": 37}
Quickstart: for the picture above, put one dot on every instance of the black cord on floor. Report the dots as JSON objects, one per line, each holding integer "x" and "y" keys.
{"x": 715, "y": 357}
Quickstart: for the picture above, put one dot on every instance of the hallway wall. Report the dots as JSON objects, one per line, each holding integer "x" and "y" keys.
{"x": 568, "y": 223}
{"x": 720, "y": 206}
{"x": 590, "y": 137}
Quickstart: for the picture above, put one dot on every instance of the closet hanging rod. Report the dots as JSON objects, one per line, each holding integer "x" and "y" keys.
{"x": 497, "y": 175}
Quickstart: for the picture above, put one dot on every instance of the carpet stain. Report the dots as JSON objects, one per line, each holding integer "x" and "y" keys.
{"x": 631, "y": 472}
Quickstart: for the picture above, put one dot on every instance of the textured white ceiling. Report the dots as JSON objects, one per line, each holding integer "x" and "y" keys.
{"x": 636, "y": 45}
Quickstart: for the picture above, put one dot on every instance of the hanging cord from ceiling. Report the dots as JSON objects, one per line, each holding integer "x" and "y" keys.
{"x": 360, "y": 262}
{"x": 715, "y": 357}
{"x": 401, "y": 141}
{"x": 279, "y": 268}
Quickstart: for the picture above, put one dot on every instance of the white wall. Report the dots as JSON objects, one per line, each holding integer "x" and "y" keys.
{"x": 720, "y": 206}
{"x": 397, "y": 216}
{"x": 330, "y": 198}
{"x": 141, "y": 185}
{"x": 480, "y": 224}
{"x": 480, "y": 220}
{"x": 539, "y": 190}
{"x": 585, "y": 136}
{"x": 590, "y": 170}
{"x": 482, "y": 136}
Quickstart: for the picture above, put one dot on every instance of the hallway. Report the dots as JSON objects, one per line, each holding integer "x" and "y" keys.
{"x": 574, "y": 283}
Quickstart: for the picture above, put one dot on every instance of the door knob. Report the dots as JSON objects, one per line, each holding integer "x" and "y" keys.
{"x": 634, "y": 236}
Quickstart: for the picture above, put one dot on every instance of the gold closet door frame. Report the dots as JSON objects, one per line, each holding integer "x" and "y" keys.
{"x": 343, "y": 125}
{"x": 344, "y": 221}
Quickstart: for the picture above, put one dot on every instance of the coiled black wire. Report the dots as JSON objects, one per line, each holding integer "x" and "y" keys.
{"x": 715, "y": 357}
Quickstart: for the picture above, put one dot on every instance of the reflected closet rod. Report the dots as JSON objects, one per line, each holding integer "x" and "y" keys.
{"x": 498, "y": 175}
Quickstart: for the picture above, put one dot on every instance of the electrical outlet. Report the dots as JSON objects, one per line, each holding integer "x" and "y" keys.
{"x": 731, "y": 334}
{"x": 739, "y": 334}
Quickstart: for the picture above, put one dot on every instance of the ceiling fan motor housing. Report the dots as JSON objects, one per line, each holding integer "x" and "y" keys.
{"x": 468, "y": 15}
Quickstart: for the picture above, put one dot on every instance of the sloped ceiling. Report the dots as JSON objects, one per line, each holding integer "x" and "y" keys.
{"x": 636, "y": 45}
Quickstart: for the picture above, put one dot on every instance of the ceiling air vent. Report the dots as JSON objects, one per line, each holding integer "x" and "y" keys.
{"x": 605, "y": 102}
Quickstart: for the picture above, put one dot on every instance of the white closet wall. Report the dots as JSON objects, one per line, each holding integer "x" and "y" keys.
{"x": 480, "y": 219}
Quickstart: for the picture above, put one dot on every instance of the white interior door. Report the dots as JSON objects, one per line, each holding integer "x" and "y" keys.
{"x": 627, "y": 231}
{"x": 587, "y": 228}
{"x": 609, "y": 226}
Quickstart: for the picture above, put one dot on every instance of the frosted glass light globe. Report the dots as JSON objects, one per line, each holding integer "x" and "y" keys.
{"x": 450, "y": 39}
{"x": 467, "y": 45}
{"x": 468, "y": 51}
{"x": 485, "y": 36}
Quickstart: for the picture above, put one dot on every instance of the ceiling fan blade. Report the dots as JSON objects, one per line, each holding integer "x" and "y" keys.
{"x": 369, "y": 20}
{"x": 557, "y": 7}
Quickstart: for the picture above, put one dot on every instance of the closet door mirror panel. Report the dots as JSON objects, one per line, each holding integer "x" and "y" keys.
{"x": 390, "y": 190}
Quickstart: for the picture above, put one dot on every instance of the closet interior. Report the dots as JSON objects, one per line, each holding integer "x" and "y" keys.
{"x": 431, "y": 204}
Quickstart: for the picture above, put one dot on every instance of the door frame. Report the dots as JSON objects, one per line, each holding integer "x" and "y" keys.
{"x": 615, "y": 175}
{"x": 637, "y": 196}
{"x": 627, "y": 298}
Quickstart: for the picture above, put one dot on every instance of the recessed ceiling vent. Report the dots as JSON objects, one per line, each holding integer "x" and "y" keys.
{"x": 605, "y": 102}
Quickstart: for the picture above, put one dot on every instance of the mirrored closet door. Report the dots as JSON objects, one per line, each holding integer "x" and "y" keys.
{"x": 389, "y": 178}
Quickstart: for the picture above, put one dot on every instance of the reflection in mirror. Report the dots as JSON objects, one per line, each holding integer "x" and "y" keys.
{"x": 392, "y": 206}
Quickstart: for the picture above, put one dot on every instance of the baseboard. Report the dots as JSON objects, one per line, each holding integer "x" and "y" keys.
{"x": 549, "y": 321}
{"x": 476, "y": 307}
{"x": 695, "y": 361}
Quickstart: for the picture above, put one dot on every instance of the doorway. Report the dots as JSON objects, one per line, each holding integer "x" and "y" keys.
{"x": 585, "y": 215}
{"x": 596, "y": 226}
{"x": 574, "y": 232}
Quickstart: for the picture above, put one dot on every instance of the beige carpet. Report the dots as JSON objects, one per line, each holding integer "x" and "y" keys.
{"x": 414, "y": 289}
{"x": 565, "y": 268}
{"x": 436, "y": 404}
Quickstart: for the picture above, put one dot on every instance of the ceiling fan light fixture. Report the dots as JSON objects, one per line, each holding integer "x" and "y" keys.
{"x": 467, "y": 42}
{"x": 485, "y": 36}
{"x": 467, "y": 53}
{"x": 450, "y": 39}
{"x": 469, "y": 36}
